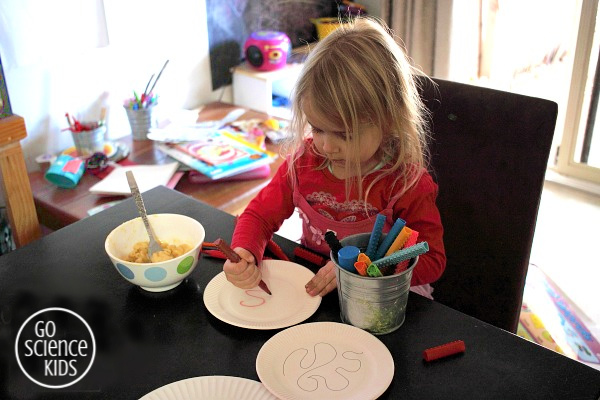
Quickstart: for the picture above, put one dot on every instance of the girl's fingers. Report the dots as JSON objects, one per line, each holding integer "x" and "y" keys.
{"x": 248, "y": 282}
{"x": 243, "y": 274}
{"x": 332, "y": 285}
{"x": 323, "y": 282}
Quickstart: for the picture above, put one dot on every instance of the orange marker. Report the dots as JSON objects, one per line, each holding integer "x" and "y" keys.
{"x": 361, "y": 267}
{"x": 364, "y": 258}
{"x": 399, "y": 241}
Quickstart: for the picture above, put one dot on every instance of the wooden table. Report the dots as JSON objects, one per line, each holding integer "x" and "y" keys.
{"x": 147, "y": 340}
{"x": 58, "y": 207}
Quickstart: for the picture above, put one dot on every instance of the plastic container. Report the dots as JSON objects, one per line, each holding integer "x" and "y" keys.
{"x": 65, "y": 172}
{"x": 377, "y": 305}
{"x": 326, "y": 25}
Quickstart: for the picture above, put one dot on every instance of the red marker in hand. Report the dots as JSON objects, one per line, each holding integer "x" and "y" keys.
{"x": 234, "y": 257}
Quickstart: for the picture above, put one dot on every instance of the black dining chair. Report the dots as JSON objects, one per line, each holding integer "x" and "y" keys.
{"x": 489, "y": 153}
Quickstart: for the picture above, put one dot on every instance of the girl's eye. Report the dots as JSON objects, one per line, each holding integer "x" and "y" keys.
{"x": 339, "y": 134}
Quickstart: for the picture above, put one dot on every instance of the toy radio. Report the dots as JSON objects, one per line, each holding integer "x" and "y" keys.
{"x": 267, "y": 50}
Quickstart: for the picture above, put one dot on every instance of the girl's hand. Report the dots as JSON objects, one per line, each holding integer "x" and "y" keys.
{"x": 323, "y": 282}
{"x": 243, "y": 274}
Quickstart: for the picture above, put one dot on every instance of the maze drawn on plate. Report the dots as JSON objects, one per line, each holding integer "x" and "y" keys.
{"x": 324, "y": 367}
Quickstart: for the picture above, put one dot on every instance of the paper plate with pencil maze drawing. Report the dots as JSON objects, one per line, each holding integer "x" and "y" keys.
{"x": 288, "y": 305}
{"x": 325, "y": 360}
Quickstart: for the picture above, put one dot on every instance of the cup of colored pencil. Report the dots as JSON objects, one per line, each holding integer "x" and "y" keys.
{"x": 88, "y": 137}
{"x": 140, "y": 108}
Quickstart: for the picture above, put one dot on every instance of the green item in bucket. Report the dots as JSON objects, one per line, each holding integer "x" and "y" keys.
{"x": 373, "y": 271}
{"x": 383, "y": 318}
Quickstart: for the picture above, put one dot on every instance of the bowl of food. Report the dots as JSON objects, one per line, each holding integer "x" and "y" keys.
{"x": 180, "y": 237}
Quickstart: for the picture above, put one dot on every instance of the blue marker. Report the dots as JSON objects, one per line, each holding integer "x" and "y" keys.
{"x": 401, "y": 255}
{"x": 347, "y": 257}
{"x": 389, "y": 239}
{"x": 375, "y": 236}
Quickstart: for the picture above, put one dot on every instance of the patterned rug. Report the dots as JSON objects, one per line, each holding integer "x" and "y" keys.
{"x": 550, "y": 319}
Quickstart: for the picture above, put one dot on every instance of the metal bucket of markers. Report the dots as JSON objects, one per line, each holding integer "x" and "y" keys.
{"x": 88, "y": 142}
{"x": 140, "y": 120}
{"x": 377, "y": 305}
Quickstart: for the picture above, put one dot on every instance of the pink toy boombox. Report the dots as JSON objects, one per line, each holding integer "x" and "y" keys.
{"x": 267, "y": 50}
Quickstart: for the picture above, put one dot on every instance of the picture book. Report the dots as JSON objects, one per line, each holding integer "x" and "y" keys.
{"x": 219, "y": 154}
{"x": 256, "y": 173}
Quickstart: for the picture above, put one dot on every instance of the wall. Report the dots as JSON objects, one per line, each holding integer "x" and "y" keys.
{"x": 57, "y": 60}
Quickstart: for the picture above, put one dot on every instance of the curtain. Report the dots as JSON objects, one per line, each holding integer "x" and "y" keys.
{"x": 422, "y": 26}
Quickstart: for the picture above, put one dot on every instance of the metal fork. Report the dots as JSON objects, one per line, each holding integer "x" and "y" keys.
{"x": 153, "y": 245}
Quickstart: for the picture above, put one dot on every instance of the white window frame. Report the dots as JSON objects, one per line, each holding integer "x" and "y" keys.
{"x": 578, "y": 101}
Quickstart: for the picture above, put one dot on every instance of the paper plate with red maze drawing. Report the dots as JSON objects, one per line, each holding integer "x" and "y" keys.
{"x": 288, "y": 305}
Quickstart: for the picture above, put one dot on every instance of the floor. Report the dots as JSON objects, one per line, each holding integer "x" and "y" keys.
{"x": 565, "y": 247}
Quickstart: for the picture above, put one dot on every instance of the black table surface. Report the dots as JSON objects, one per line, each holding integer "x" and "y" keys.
{"x": 147, "y": 340}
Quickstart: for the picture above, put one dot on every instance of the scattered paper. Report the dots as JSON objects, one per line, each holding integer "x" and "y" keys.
{"x": 146, "y": 176}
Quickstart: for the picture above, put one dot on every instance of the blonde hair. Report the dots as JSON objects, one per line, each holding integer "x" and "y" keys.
{"x": 358, "y": 74}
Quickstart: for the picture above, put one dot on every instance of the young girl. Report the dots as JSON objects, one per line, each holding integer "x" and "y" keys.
{"x": 358, "y": 149}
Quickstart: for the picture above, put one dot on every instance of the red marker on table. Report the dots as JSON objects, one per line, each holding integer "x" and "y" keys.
{"x": 444, "y": 350}
{"x": 234, "y": 257}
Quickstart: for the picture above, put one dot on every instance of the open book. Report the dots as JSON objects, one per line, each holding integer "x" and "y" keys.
{"x": 219, "y": 154}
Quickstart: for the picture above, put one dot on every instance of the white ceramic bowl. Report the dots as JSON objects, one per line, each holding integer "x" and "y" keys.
{"x": 170, "y": 228}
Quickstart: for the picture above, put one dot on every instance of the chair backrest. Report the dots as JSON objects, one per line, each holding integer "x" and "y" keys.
{"x": 22, "y": 215}
{"x": 489, "y": 154}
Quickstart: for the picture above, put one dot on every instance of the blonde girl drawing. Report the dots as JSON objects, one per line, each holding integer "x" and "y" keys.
{"x": 357, "y": 148}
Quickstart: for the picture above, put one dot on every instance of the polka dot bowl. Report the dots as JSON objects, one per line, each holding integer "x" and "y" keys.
{"x": 172, "y": 229}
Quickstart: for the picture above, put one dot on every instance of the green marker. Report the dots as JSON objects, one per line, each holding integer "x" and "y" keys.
{"x": 373, "y": 271}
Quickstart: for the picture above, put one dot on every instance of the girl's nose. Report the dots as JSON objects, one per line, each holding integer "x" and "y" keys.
{"x": 330, "y": 145}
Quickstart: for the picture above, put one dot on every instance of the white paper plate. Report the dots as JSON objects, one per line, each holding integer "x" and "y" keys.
{"x": 288, "y": 305}
{"x": 325, "y": 360}
{"x": 211, "y": 387}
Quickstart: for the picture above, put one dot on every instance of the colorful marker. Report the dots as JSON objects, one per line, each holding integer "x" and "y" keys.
{"x": 347, "y": 256}
{"x": 387, "y": 241}
{"x": 375, "y": 236}
{"x": 401, "y": 255}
